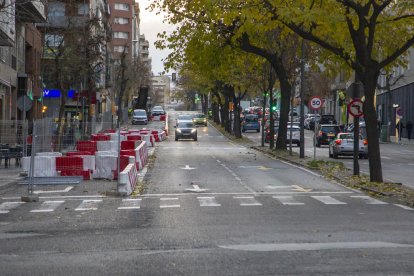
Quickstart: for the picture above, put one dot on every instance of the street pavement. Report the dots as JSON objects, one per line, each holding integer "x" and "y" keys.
{"x": 211, "y": 207}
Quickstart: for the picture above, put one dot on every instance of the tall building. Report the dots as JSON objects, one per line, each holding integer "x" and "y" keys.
{"x": 122, "y": 19}
{"x": 20, "y": 50}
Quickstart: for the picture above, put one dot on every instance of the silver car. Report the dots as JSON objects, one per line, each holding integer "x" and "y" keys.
{"x": 139, "y": 117}
{"x": 343, "y": 144}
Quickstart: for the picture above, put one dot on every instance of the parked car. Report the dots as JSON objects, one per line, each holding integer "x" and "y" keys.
{"x": 326, "y": 133}
{"x": 295, "y": 137}
{"x": 344, "y": 145}
{"x": 185, "y": 130}
{"x": 308, "y": 119}
{"x": 250, "y": 122}
{"x": 313, "y": 122}
{"x": 139, "y": 116}
{"x": 200, "y": 119}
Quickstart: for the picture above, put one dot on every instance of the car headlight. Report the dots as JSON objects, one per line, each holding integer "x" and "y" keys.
{"x": 193, "y": 130}
{"x": 178, "y": 130}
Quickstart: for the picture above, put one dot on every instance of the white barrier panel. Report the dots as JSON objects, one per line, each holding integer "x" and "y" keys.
{"x": 114, "y": 136}
{"x": 88, "y": 162}
{"x": 128, "y": 179}
{"x": 50, "y": 153}
{"x": 105, "y": 165}
{"x": 43, "y": 165}
{"x": 107, "y": 145}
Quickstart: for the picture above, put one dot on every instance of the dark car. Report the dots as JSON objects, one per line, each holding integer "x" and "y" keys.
{"x": 326, "y": 133}
{"x": 185, "y": 130}
{"x": 327, "y": 119}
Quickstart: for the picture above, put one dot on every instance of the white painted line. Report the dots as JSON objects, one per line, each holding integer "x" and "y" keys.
{"x": 59, "y": 196}
{"x": 48, "y": 206}
{"x": 404, "y": 207}
{"x": 130, "y": 203}
{"x": 54, "y": 191}
{"x": 247, "y": 193}
{"x": 89, "y": 204}
{"x": 5, "y": 207}
{"x": 287, "y": 200}
{"x": 328, "y": 200}
{"x": 248, "y": 201}
{"x": 169, "y": 205}
{"x": 369, "y": 200}
{"x": 237, "y": 178}
{"x": 385, "y": 157}
{"x": 208, "y": 202}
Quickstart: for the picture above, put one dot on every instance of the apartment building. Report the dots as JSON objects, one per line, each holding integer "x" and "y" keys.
{"x": 122, "y": 20}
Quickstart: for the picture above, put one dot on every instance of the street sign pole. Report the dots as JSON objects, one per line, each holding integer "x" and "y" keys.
{"x": 315, "y": 103}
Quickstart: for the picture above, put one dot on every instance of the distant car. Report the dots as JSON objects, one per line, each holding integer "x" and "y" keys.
{"x": 200, "y": 119}
{"x": 139, "y": 116}
{"x": 327, "y": 119}
{"x": 344, "y": 145}
{"x": 308, "y": 118}
{"x": 267, "y": 131}
{"x": 312, "y": 122}
{"x": 185, "y": 130}
{"x": 251, "y": 122}
{"x": 326, "y": 133}
{"x": 184, "y": 118}
{"x": 157, "y": 110}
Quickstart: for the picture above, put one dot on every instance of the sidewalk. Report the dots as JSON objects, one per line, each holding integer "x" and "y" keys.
{"x": 403, "y": 141}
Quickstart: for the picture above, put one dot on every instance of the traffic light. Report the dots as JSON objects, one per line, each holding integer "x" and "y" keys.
{"x": 44, "y": 108}
{"x": 273, "y": 105}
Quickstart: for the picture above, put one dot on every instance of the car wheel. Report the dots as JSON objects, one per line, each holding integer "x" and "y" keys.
{"x": 195, "y": 139}
{"x": 330, "y": 154}
{"x": 258, "y": 130}
{"x": 335, "y": 155}
{"x": 243, "y": 130}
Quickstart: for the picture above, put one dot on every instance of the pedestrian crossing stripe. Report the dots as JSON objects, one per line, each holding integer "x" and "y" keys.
{"x": 203, "y": 201}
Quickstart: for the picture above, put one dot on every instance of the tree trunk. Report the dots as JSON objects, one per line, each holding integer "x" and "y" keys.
{"x": 236, "y": 123}
{"x": 285, "y": 91}
{"x": 369, "y": 80}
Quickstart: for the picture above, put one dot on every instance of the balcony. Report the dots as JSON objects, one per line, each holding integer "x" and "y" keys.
{"x": 65, "y": 22}
{"x": 30, "y": 11}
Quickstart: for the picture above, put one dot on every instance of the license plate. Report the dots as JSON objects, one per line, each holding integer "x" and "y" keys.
{"x": 331, "y": 135}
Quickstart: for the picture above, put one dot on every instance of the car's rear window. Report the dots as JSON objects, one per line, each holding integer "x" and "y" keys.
{"x": 334, "y": 129}
{"x": 184, "y": 117}
{"x": 199, "y": 116}
{"x": 251, "y": 119}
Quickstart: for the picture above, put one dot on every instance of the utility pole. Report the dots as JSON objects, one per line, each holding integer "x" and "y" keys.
{"x": 302, "y": 108}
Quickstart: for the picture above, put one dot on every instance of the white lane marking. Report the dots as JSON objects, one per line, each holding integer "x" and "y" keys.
{"x": 314, "y": 246}
{"x": 239, "y": 180}
{"x": 218, "y": 161}
{"x": 248, "y": 201}
{"x": 328, "y": 200}
{"x": 385, "y": 157}
{"x": 5, "y": 207}
{"x": 208, "y": 201}
{"x": 48, "y": 206}
{"x": 244, "y": 193}
{"x": 54, "y": 191}
{"x": 369, "y": 200}
{"x": 130, "y": 203}
{"x": 187, "y": 167}
{"x": 287, "y": 200}
{"x": 60, "y": 196}
{"x": 404, "y": 207}
{"x": 163, "y": 199}
{"x": 277, "y": 187}
{"x": 88, "y": 204}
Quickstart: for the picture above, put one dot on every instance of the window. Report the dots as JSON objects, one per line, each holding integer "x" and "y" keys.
{"x": 53, "y": 40}
{"x": 83, "y": 9}
{"x": 120, "y": 20}
{"x": 120, "y": 49}
{"x": 122, "y": 7}
{"x": 121, "y": 35}
{"x": 55, "y": 9}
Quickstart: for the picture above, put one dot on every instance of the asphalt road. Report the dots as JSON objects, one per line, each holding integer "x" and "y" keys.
{"x": 211, "y": 207}
{"x": 397, "y": 159}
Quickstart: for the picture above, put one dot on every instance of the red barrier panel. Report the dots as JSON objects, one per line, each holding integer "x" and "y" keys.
{"x": 69, "y": 163}
{"x": 78, "y": 153}
{"x": 86, "y": 146}
{"x": 134, "y": 137}
{"x": 127, "y": 145}
{"x": 123, "y": 163}
{"x": 100, "y": 137}
{"x": 163, "y": 117}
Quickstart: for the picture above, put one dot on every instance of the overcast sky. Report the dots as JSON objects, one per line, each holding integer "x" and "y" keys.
{"x": 151, "y": 25}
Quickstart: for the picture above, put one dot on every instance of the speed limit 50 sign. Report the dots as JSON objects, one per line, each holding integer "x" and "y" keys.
{"x": 315, "y": 102}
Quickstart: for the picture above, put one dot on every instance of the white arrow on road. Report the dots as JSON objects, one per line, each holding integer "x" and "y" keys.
{"x": 187, "y": 167}
{"x": 196, "y": 189}
{"x": 54, "y": 191}
{"x": 298, "y": 188}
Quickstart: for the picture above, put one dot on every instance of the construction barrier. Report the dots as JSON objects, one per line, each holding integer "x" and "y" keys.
{"x": 141, "y": 155}
{"x": 100, "y": 137}
{"x": 72, "y": 166}
{"x": 43, "y": 166}
{"x": 128, "y": 180}
{"x": 159, "y": 135}
{"x": 105, "y": 165}
{"x": 87, "y": 146}
{"x": 107, "y": 145}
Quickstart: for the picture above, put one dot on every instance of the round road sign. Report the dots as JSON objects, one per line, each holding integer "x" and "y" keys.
{"x": 315, "y": 102}
{"x": 355, "y": 107}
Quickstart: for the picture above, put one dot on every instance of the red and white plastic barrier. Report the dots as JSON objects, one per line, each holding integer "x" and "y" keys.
{"x": 128, "y": 180}
{"x": 106, "y": 163}
{"x": 43, "y": 165}
{"x": 159, "y": 135}
{"x": 141, "y": 155}
{"x": 87, "y": 146}
{"x": 100, "y": 137}
{"x": 73, "y": 166}
{"x": 107, "y": 145}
